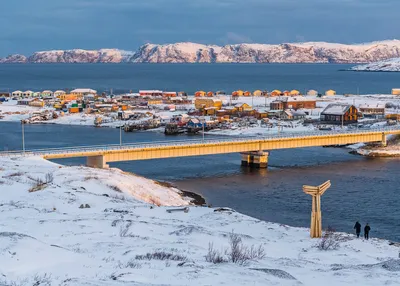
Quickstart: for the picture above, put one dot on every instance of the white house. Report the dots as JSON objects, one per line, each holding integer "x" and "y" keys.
{"x": 83, "y": 91}
{"x": 36, "y": 94}
{"x": 57, "y": 93}
{"x": 46, "y": 93}
{"x": 17, "y": 93}
{"x": 312, "y": 92}
{"x": 28, "y": 93}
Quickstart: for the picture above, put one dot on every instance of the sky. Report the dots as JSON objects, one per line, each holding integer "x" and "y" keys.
{"x": 27, "y": 26}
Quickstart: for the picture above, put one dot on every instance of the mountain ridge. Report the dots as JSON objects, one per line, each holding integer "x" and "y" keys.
{"x": 188, "y": 52}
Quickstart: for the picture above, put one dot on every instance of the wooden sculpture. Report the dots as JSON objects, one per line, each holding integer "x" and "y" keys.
{"x": 316, "y": 193}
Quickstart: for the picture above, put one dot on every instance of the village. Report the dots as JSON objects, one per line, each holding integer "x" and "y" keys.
{"x": 238, "y": 113}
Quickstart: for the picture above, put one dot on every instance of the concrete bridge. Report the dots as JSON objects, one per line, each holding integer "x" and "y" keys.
{"x": 252, "y": 149}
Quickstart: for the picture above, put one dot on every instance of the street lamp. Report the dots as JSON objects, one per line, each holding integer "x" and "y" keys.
{"x": 23, "y": 137}
{"x": 120, "y": 135}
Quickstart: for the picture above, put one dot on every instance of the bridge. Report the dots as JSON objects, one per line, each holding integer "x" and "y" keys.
{"x": 252, "y": 148}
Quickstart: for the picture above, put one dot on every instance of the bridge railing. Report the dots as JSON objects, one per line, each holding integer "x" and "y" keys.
{"x": 140, "y": 145}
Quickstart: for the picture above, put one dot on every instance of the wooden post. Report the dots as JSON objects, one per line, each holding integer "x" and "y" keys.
{"x": 316, "y": 216}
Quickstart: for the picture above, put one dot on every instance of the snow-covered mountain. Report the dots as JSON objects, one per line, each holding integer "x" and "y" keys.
{"x": 390, "y": 65}
{"x": 311, "y": 52}
{"x": 13, "y": 59}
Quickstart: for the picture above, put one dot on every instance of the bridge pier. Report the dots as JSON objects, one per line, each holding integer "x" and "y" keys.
{"x": 384, "y": 140}
{"x": 96, "y": 162}
{"x": 256, "y": 159}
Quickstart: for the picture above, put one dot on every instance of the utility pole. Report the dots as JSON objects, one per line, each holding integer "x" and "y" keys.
{"x": 23, "y": 138}
{"x": 120, "y": 135}
{"x": 203, "y": 121}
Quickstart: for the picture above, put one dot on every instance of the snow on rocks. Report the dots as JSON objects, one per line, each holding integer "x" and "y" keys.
{"x": 46, "y": 239}
{"x": 390, "y": 65}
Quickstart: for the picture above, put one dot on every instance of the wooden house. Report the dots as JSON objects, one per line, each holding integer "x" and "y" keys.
{"x": 247, "y": 93}
{"x": 17, "y": 93}
{"x": 276, "y": 92}
{"x": 277, "y": 105}
{"x": 312, "y": 92}
{"x": 200, "y": 93}
{"x": 210, "y": 94}
{"x": 330, "y": 92}
{"x": 373, "y": 110}
{"x": 201, "y": 103}
{"x": 396, "y": 91}
{"x": 294, "y": 92}
{"x": 336, "y": 113}
{"x": 257, "y": 92}
{"x": 243, "y": 107}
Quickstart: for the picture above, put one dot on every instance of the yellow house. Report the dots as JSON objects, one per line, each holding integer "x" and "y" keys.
{"x": 276, "y": 92}
{"x": 330, "y": 92}
{"x": 200, "y": 93}
{"x": 68, "y": 97}
{"x": 396, "y": 91}
{"x": 294, "y": 92}
{"x": 201, "y": 103}
{"x": 241, "y": 107}
{"x": 36, "y": 102}
{"x": 239, "y": 92}
{"x": 257, "y": 92}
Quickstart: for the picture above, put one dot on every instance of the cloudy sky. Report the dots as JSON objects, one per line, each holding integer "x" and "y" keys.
{"x": 31, "y": 25}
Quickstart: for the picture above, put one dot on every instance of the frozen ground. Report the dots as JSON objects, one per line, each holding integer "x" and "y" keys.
{"x": 47, "y": 239}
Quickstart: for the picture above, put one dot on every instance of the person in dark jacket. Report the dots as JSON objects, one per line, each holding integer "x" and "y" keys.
{"x": 367, "y": 228}
{"x": 357, "y": 227}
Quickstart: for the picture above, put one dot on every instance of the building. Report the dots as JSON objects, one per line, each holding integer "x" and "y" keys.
{"x": 36, "y": 94}
{"x": 168, "y": 94}
{"x": 83, "y": 91}
{"x": 220, "y": 92}
{"x": 57, "y": 93}
{"x": 210, "y": 94}
{"x": 238, "y": 93}
{"x": 17, "y": 93}
{"x": 243, "y": 107}
{"x": 151, "y": 93}
{"x": 200, "y": 93}
{"x": 396, "y": 91}
{"x": 69, "y": 97}
{"x": 276, "y": 92}
{"x": 295, "y": 102}
{"x": 257, "y": 92}
{"x": 4, "y": 94}
{"x": 24, "y": 101}
{"x": 330, "y": 92}
{"x": 36, "y": 102}
{"x": 336, "y": 113}
{"x": 28, "y": 93}
{"x": 373, "y": 110}
{"x": 247, "y": 93}
{"x": 294, "y": 92}
{"x": 46, "y": 93}
{"x": 201, "y": 103}
{"x": 312, "y": 92}
{"x": 286, "y": 93}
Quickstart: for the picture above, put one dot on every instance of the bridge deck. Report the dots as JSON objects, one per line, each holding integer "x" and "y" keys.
{"x": 169, "y": 149}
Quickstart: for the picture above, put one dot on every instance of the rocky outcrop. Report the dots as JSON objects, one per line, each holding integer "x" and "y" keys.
{"x": 391, "y": 65}
{"x": 14, "y": 59}
{"x": 312, "y": 52}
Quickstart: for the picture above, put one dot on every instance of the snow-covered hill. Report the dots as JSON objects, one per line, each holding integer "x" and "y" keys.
{"x": 46, "y": 238}
{"x": 311, "y": 52}
{"x": 390, "y": 65}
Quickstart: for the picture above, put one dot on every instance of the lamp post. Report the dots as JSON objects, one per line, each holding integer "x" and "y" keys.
{"x": 23, "y": 137}
{"x": 120, "y": 135}
{"x": 203, "y": 121}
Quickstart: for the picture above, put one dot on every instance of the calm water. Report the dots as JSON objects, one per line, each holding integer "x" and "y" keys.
{"x": 193, "y": 77}
{"x": 362, "y": 189}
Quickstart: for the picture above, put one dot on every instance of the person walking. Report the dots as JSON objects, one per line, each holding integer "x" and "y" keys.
{"x": 367, "y": 228}
{"x": 357, "y": 227}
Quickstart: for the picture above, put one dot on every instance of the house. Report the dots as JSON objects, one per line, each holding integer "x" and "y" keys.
{"x": 286, "y": 93}
{"x": 89, "y": 97}
{"x": 168, "y": 94}
{"x": 330, "y": 92}
{"x": 46, "y": 93}
{"x": 243, "y": 107}
{"x": 220, "y": 92}
{"x": 276, "y": 92}
{"x": 247, "y": 93}
{"x": 17, "y": 93}
{"x": 210, "y": 94}
{"x": 336, "y": 113}
{"x": 57, "y": 93}
{"x": 195, "y": 123}
{"x": 24, "y": 101}
{"x": 294, "y": 92}
{"x": 312, "y": 92}
{"x": 151, "y": 93}
{"x": 36, "y": 102}
{"x": 210, "y": 111}
{"x": 200, "y": 93}
{"x": 396, "y": 91}
{"x": 36, "y": 94}
{"x": 82, "y": 91}
{"x": 238, "y": 93}
{"x": 201, "y": 103}
{"x": 27, "y": 93}
{"x": 373, "y": 110}
{"x": 286, "y": 114}
{"x": 4, "y": 94}
{"x": 277, "y": 105}
{"x": 69, "y": 97}
{"x": 257, "y": 92}
{"x": 154, "y": 102}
